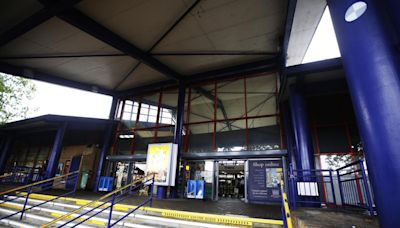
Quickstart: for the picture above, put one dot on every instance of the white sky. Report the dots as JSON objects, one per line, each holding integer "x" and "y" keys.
{"x": 60, "y": 100}
{"x": 324, "y": 44}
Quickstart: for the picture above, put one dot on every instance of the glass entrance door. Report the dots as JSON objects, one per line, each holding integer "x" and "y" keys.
{"x": 231, "y": 180}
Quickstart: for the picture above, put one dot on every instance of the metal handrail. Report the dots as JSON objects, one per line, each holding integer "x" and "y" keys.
{"x": 94, "y": 202}
{"x": 351, "y": 164}
{"x": 37, "y": 183}
{"x": 5, "y": 175}
{"x": 287, "y": 218}
{"x": 73, "y": 176}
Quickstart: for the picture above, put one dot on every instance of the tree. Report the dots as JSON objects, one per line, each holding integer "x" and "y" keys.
{"x": 15, "y": 92}
{"x": 340, "y": 160}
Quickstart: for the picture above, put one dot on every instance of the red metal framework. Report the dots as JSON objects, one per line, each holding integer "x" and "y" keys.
{"x": 216, "y": 104}
{"x": 187, "y": 123}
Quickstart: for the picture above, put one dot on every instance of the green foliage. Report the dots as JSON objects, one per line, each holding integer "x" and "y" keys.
{"x": 340, "y": 160}
{"x": 15, "y": 92}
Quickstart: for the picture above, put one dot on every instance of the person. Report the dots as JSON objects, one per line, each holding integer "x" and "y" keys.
{"x": 241, "y": 188}
{"x": 119, "y": 174}
{"x": 43, "y": 170}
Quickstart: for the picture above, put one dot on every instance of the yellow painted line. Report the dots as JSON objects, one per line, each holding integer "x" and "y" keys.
{"x": 186, "y": 215}
{"x": 92, "y": 203}
{"x": 286, "y": 208}
{"x": 287, "y": 211}
{"x": 54, "y": 214}
{"x": 92, "y": 221}
{"x": 12, "y": 206}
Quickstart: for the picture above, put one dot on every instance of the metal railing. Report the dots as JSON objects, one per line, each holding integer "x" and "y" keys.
{"x": 21, "y": 175}
{"x": 347, "y": 186}
{"x": 313, "y": 187}
{"x": 70, "y": 179}
{"x": 5, "y": 175}
{"x": 107, "y": 202}
{"x": 354, "y": 186}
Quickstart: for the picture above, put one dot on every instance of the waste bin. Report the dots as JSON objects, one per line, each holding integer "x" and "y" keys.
{"x": 106, "y": 184}
{"x": 84, "y": 179}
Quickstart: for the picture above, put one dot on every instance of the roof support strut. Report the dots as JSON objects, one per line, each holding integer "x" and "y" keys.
{"x": 36, "y": 19}
{"x": 88, "y": 25}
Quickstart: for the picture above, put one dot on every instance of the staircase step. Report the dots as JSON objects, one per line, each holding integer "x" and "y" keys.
{"x": 56, "y": 209}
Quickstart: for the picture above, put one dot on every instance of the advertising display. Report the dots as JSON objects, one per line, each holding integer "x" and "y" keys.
{"x": 263, "y": 180}
{"x": 161, "y": 161}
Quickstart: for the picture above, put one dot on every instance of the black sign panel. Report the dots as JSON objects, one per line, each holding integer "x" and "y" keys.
{"x": 263, "y": 180}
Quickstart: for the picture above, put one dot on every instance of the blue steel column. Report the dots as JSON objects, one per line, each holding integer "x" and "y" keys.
{"x": 290, "y": 141}
{"x": 371, "y": 62}
{"x": 56, "y": 151}
{"x": 5, "y": 152}
{"x": 393, "y": 7}
{"x": 304, "y": 151}
{"x": 113, "y": 108}
{"x": 289, "y": 136}
{"x": 108, "y": 135}
{"x": 178, "y": 139}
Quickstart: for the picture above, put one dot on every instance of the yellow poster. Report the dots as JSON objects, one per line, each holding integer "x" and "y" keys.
{"x": 159, "y": 157}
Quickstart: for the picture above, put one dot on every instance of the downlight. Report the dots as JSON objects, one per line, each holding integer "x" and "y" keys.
{"x": 355, "y": 11}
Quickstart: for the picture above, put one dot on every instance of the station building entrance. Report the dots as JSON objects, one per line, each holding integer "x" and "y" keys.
{"x": 249, "y": 176}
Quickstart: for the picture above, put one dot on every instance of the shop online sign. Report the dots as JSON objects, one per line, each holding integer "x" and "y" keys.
{"x": 263, "y": 180}
{"x": 162, "y": 161}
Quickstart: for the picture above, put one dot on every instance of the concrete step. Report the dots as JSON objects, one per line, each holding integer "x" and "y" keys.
{"x": 47, "y": 212}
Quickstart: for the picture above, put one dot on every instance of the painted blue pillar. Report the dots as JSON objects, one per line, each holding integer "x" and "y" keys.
{"x": 107, "y": 139}
{"x": 5, "y": 152}
{"x": 178, "y": 139}
{"x": 56, "y": 151}
{"x": 113, "y": 108}
{"x": 371, "y": 62}
{"x": 108, "y": 136}
{"x": 393, "y": 7}
{"x": 289, "y": 132}
{"x": 304, "y": 151}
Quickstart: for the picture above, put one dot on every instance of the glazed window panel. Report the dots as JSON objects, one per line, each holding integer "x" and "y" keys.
{"x": 202, "y": 104}
{"x": 230, "y": 99}
{"x": 156, "y": 115}
{"x": 200, "y": 137}
{"x": 264, "y": 134}
{"x": 233, "y": 111}
{"x": 233, "y": 138}
{"x": 261, "y": 97}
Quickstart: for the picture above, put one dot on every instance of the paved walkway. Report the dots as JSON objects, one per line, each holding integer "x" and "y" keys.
{"x": 221, "y": 207}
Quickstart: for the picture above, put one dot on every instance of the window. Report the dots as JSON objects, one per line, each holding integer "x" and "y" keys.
{"x": 146, "y": 119}
{"x": 227, "y": 116}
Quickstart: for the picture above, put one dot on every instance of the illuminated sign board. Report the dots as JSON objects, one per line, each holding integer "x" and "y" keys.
{"x": 162, "y": 161}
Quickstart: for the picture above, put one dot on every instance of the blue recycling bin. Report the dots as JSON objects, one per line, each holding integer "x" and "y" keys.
{"x": 106, "y": 184}
{"x": 200, "y": 189}
{"x": 195, "y": 189}
{"x": 191, "y": 189}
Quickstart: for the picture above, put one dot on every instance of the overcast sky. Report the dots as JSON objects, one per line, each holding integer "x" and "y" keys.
{"x": 60, "y": 100}
{"x": 54, "y": 99}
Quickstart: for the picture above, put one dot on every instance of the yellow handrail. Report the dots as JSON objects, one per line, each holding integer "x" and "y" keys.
{"x": 94, "y": 202}
{"x": 37, "y": 183}
{"x": 286, "y": 208}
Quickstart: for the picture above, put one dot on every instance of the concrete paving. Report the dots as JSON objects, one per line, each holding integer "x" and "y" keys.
{"x": 221, "y": 207}
{"x": 332, "y": 218}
